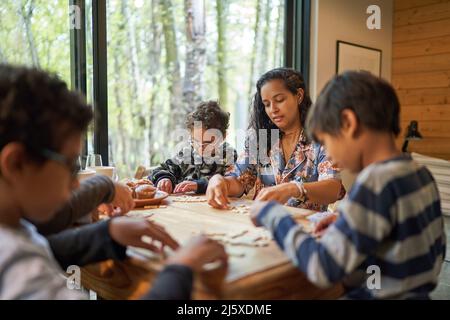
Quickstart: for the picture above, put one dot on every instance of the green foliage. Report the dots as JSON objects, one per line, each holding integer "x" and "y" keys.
{"x": 140, "y": 72}
{"x": 49, "y": 27}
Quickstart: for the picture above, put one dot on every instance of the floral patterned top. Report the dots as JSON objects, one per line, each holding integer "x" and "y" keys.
{"x": 308, "y": 163}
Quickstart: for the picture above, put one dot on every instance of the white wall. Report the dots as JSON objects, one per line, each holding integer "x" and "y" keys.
{"x": 345, "y": 20}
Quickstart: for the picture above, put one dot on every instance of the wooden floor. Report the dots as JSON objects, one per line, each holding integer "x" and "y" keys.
{"x": 443, "y": 289}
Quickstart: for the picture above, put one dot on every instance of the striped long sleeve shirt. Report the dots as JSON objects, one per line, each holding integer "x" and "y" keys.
{"x": 390, "y": 224}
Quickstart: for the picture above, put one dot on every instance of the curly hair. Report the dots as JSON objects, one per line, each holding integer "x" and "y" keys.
{"x": 293, "y": 80}
{"x": 38, "y": 110}
{"x": 211, "y": 116}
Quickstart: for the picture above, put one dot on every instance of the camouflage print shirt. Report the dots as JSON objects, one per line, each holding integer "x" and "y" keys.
{"x": 189, "y": 165}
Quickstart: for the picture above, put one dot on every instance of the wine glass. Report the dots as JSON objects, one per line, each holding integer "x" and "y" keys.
{"x": 93, "y": 161}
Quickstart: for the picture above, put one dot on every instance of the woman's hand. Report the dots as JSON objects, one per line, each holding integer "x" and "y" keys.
{"x": 217, "y": 192}
{"x": 129, "y": 232}
{"x": 198, "y": 252}
{"x": 165, "y": 185}
{"x": 185, "y": 186}
{"x": 280, "y": 193}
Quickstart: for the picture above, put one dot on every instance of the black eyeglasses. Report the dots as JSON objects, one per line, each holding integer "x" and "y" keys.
{"x": 202, "y": 144}
{"x": 72, "y": 165}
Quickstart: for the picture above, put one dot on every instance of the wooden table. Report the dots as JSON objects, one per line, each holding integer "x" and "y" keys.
{"x": 262, "y": 273}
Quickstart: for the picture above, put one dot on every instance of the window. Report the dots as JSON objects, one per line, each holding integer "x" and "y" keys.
{"x": 144, "y": 64}
{"x": 36, "y": 33}
{"x": 166, "y": 56}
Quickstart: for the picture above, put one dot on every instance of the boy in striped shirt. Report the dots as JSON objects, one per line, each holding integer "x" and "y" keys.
{"x": 390, "y": 224}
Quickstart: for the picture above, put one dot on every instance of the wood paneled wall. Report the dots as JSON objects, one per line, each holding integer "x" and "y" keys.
{"x": 421, "y": 71}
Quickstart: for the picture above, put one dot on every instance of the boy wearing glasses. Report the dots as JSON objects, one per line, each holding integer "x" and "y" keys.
{"x": 206, "y": 154}
{"x": 41, "y": 126}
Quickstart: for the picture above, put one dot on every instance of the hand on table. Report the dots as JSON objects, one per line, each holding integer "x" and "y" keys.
{"x": 323, "y": 224}
{"x": 185, "y": 186}
{"x": 165, "y": 185}
{"x": 129, "y": 232}
{"x": 217, "y": 192}
{"x": 199, "y": 251}
{"x": 122, "y": 203}
{"x": 280, "y": 193}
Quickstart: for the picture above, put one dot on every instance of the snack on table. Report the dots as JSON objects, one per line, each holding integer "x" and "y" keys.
{"x": 142, "y": 188}
{"x": 145, "y": 191}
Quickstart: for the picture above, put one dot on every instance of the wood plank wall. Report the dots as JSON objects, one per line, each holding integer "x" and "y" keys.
{"x": 421, "y": 71}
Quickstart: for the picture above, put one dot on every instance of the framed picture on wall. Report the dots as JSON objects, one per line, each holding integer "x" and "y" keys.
{"x": 351, "y": 56}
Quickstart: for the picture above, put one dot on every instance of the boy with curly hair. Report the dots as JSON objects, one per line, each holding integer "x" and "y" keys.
{"x": 206, "y": 155}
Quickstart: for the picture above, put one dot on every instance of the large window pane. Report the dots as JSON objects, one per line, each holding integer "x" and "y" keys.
{"x": 36, "y": 32}
{"x": 166, "y": 56}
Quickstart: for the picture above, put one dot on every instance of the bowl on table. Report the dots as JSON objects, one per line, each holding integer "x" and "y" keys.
{"x": 105, "y": 171}
{"x": 157, "y": 199}
{"x": 84, "y": 174}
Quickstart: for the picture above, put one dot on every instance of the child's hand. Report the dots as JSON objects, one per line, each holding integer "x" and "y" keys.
{"x": 255, "y": 209}
{"x": 129, "y": 232}
{"x": 122, "y": 203}
{"x": 165, "y": 185}
{"x": 198, "y": 252}
{"x": 109, "y": 210}
{"x": 123, "y": 198}
{"x": 323, "y": 224}
{"x": 185, "y": 186}
{"x": 217, "y": 192}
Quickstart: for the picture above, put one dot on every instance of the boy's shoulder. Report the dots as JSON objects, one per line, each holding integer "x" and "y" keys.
{"x": 398, "y": 189}
{"x": 187, "y": 155}
{"x": 183, "y": 150}
{"x": 402, "y": 169}
{"x": 28, "y": 271}
{"x": 14, "y": 245}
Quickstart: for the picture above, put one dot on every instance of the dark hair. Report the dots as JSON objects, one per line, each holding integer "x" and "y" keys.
{"x": 372, "y": 99}
{"x": 211, "y": 116}
{"x": 293, "y": 80}
{"x": 38, "y": 110}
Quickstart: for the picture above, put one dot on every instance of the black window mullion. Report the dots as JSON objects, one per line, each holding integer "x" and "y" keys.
{"x": 303, "y": 38}
{"x": 100, "y": 88}
{"x": 289, "y": 28}
{"x": 297, "y": 36}
{"x": 78, "y": 57}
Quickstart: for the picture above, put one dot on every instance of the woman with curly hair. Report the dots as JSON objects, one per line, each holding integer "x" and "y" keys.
{"x": 279, "y": 161}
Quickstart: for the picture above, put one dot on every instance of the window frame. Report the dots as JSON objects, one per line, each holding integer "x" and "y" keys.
{"x": 78, "y": 71}
{"x": 100, "y": 79}
{"x": 297, "y": 36}
{"x": 296, "y": 55}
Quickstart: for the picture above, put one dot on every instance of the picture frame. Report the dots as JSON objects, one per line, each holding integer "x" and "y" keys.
{"x": 351, "y": 56}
